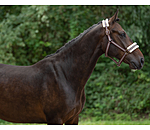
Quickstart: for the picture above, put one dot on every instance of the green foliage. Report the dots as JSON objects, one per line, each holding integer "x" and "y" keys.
{"x": 111, "y": 91}
{"x": 29, "y": 33}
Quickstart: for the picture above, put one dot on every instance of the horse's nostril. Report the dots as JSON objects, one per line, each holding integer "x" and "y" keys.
{"x": 142, "y": 61}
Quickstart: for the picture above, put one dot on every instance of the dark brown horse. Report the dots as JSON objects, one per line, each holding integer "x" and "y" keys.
{"x": 52, "y": 90}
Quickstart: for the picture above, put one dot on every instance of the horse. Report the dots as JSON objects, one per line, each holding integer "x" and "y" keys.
{"x": 51, "y": 91}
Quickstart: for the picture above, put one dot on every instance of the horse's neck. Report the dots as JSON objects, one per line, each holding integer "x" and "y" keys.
{"x": 93, "y": 51}
{"x": 79, "y": 60}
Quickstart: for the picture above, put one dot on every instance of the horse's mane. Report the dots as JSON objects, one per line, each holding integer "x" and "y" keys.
{"x": 75, "y": 39}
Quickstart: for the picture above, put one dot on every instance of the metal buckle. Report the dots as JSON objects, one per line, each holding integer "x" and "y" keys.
{"x": 107, "y": 31}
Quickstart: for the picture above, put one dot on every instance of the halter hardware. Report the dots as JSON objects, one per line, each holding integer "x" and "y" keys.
{"x": 126, "y": 51}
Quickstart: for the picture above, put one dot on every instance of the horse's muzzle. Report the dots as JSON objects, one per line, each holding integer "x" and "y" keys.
{"x": 137, "y": 65}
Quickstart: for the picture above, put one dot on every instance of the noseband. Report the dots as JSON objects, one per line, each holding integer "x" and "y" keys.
{"x": 126, "y": 51}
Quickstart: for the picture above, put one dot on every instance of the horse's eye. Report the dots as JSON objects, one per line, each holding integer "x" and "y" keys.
{"x": 123, "y": 34}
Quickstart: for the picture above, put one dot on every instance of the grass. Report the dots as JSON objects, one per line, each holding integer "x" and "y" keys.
{"x": 116, "y": 122}
{"x": 2, "y": 122}
{"x": 92, "y": 122}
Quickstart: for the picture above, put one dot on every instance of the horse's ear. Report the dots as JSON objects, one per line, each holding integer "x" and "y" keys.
{"x": 114, "y": 18}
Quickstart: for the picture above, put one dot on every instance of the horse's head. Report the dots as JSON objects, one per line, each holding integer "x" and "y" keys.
{"x": 120, "y": 46}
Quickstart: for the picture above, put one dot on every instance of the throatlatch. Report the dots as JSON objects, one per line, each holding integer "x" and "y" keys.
{"x": 126, "y": 51}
